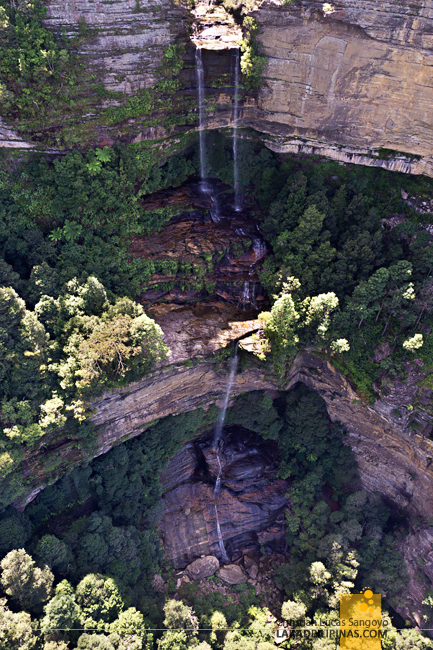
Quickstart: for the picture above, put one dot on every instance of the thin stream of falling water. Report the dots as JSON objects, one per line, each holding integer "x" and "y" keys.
{"x": 214, "y": 211}
{"x": 200, "y": 90}
{"x": 219, "y": 426}
{"x": 235, "y": 136}
{"x": 223, "y": 551}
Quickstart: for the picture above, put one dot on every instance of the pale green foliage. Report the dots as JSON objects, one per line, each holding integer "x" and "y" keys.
{"x": 218, "y": 621}
{"x": 23, "y": 581}
{"x": 130, "y": 622}
{"x": 319, "y": 574}
{"x": 291, "y": 322}
{"x": 258, "y": 636}
{"x": 178, "y": 615}
{"x": 101, "y": 347}
{"x": 327, "y": 8}
{"x": 293, "y": 611}
{"x": 128, "y": 641}
{"x": 340, "y": 345}
{"x": 55, "y": 645}
{"x": 414, "y": 343}
{"x": 412, "y": 640}
{"x": 281, "y": 324}
{"x": 318, "y": 310}
{"x": 65, "y": 587}
{"x": 23, "y": 638}
{"x": 52, "y": 413}
{"x": 94, "y": 642}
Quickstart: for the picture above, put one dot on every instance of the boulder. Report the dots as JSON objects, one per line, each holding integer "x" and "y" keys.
{"x": 231, "y": 574}
{"x": 253, "y": 571}
{"x": 251, "y": 567}
{"x": 203, "y": 567}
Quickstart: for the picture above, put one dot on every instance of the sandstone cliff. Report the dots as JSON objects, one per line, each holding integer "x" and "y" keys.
{"x": 346, "y": 84}
{"x": 357, "y": 78}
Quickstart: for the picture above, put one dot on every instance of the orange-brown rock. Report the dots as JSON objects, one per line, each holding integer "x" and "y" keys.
{"x": 196, "y": 257}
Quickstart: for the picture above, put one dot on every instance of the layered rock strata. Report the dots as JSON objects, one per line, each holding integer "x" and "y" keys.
{"x": 359, "y": 76}
{"x": 344, "y": 84}
{"x": 249, "y": 506}
{"x": 199, "y": 256}
{"x": 129, "y": 36}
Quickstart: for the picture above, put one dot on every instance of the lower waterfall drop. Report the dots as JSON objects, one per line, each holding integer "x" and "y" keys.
{"x": 225, "y": 557}
{"x": 217, "y": 438}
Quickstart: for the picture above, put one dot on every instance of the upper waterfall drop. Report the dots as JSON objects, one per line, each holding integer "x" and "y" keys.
{"x": 235, "y": 135}
{"x": 200, "y": 92}
{"x": 205, "y": 187}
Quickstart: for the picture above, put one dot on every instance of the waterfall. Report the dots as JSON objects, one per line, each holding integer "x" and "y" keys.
{"x": 245, "y": 293}
{"x": 214, "y": 210}
{"x": 224, "y": 555}
{"x": 220, "y": 424}
{"x": 259, "y": 248}
{"x": 235, "y": 136}
{"x": 200, "y": 90}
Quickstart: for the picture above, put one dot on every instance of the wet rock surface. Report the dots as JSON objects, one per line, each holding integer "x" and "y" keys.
{"x": 250, "y": 503}
{"x": 212, "y": 250}
{"x": 214, "y": 28}
{"x": 193, "y": 331}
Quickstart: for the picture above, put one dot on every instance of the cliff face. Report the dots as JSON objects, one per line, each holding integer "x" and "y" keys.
{"x": 344, "y": 84}
{"x": 129, "y": 38}
{"x": 356, "y": 79}
{"x": 249, "y": 488}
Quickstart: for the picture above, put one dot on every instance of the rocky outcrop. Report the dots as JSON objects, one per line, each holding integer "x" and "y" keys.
{"x": 393, "y": 462}
{"x": 249, "y": 506}
{"x": 214, "y": 28}
{"x": 352, "y": 84}
{"x": 195, "y": 331}
{"x": 128, "y": 36}
{"x": 351, "y": 80}
{"x": 204, "y": 251}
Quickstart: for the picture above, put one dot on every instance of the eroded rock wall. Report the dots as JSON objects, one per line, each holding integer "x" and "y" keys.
{"x": 357, "y": 77}
{"x": 129, "y": 36}
{"x": 392, "y": 461}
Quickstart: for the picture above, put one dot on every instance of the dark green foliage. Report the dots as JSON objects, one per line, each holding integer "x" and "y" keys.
{"x": 123, "y": 490}
{"x": 15, "y": 530}
{"x": 53, "y": 552}
{"x": 32, "y": 62}
{"x": 327, "y": 517}
{"x": 78, "y": 220}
